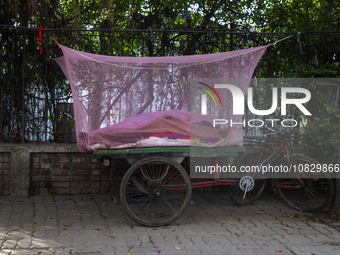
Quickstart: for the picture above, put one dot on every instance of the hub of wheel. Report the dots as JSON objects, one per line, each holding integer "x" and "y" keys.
{"x": 246, "y": 183}
{"x": 157, "y": 192}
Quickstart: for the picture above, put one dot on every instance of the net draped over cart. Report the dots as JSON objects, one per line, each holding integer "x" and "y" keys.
{"x": 122, "y": 102}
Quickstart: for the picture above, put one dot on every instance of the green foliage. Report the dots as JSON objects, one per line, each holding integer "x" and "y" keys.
{"x": 325, "y": 129}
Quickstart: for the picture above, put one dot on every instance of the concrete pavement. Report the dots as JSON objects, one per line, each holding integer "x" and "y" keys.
{"x": 93, "y": 224}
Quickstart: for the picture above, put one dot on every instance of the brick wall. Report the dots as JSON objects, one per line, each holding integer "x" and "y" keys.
{"x": 67, "y": 173}
{"x": 5, "y": 167}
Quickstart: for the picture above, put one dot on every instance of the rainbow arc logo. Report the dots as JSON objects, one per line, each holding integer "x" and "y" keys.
{"x": 209, "y": 93}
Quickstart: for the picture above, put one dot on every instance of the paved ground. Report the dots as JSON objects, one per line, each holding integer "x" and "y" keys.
{"x": 95, "y": 225}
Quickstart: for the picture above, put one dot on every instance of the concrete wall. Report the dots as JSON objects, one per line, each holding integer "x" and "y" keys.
{"x": 47, "y": 169}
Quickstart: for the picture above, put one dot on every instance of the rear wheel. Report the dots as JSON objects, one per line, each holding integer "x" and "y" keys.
{"x": 240, "y": 193}
{"x": 155, "y": 191}
{"x": 309, "y": 192}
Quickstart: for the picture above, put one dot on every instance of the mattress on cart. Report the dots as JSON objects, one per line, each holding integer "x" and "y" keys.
{"x": 168, "y": 128}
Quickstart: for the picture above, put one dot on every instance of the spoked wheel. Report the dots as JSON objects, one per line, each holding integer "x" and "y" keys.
{"x": 155, "y": 191}
{"x": 309, "y": 192}
{"x": 250, "y": 186}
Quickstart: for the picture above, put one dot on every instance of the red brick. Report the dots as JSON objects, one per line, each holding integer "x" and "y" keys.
{"x": 45, "y": 178}
{"x": 61, "y": 159}
{"x": 60, "y": 178}
{"x": 45, "y": 159}
{"x": 80, "y": 178}
{"x": 60, "y": 191}
{"x": 60, "y": 184}
{"x": 35, "y": 178}
{"x": 105, "y": 184}
{"x": 106, "y": 178}
{"x": 35, "y": 165}
{"x": 80, "y": 184}
{"x": 80, "y": 172}
{"x": 95, "y": 178}
{"x": 45, "y": 184}
{"x": 106, "y": 172}
{"x": 60, "y": 172}
{"x": 6, "y": 157}
{"x": 81, "y": 166}
{"x": 95, "y": 165}
{"x": 61, "y": 165}
{"x": 6, "y": 165}
{"x": 94, "y": 190}
{"x": 81, "y": 159}
{"x": 80, "y": 190}
{"x": 95, "y": 172}
{"x": 95, "y": 184}
{"x": 35, "y": 159}
{"x": 35, "y": 185}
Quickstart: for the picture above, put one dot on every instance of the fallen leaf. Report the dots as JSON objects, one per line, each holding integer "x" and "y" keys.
{"x": 284, "y": 216}
{"x": 154, "y": 229}
{"x": 130, "y": 247}
{"x": 316, "y": 219}
{"x": 223, "y": 224}
{"x": 62, "y": 206}
{"x": 66, "y": 225}
{"x": 158, "y": 251}
{"x": 233, "y": 224}
{"x": 49, "y": 218}
{"x": 109, "y": 246}
{"x": 129, "y": 253}
{"x": 9, "y": 231}
{"x": 261, "y": 212}
{"x": 265, "y": 244}
{"x": 255, "y": 235}
{"x": 290, "y": 215}
{"x": 74, "y": 229}
{"x": 69, "y": 234}
{"x": 243, "y": 244}
{"x": 177, "y": 248}
{"x": 286, "y": 229}
{"x": 334, "y": 216}
{"x": 298, "y": 227}
{"x": 278, "y": 251}
{"x": 265, "y": 235}
{"x": 238, "y": 234}
{"x": 111, "y": 236}
{"x": 214, "y": 208}
{"x": 296, "y": 218}
{"x": 77, "y": 214}
{"x": 239, "y": 218}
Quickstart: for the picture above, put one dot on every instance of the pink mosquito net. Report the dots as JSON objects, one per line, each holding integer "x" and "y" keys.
{"x": 122, "y": 102}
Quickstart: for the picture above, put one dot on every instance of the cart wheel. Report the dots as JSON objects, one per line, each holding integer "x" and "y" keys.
{"x": 248, "y": 188}
{"x": 155, "y": 191}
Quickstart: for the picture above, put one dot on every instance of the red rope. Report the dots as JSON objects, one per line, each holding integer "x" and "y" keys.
{"x": 40, "y": 38}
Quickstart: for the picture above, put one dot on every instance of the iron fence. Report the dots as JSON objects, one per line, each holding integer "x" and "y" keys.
{"x": 36, "y": 102}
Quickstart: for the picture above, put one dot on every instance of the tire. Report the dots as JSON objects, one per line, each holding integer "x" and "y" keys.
{"x": 236, "y": 194}
{"x": 305, "y": 192}
{"x": 148, "y": 191}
